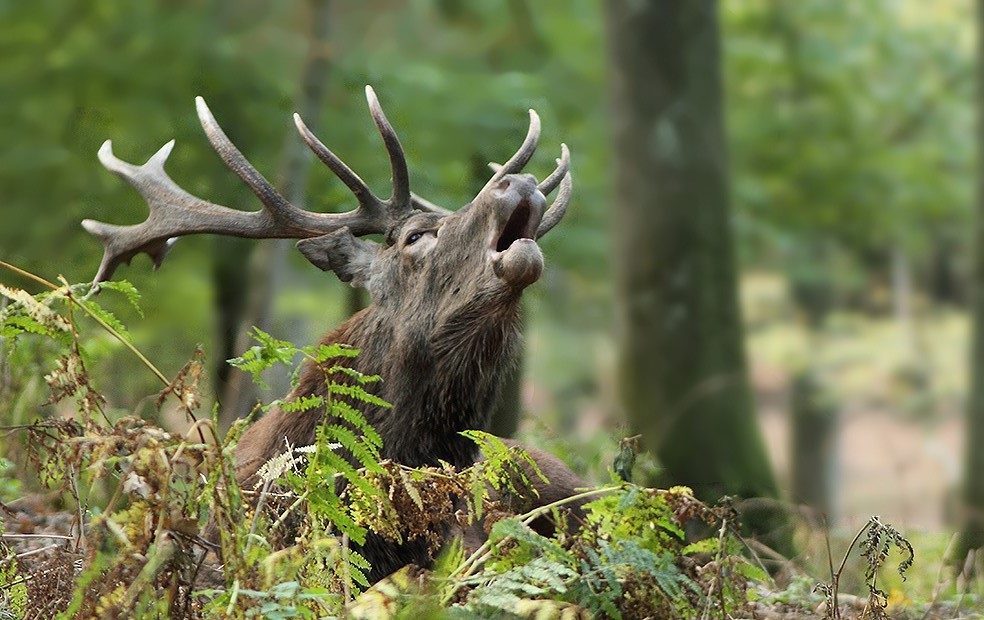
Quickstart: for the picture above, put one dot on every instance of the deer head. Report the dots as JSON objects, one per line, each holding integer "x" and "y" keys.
{"x": 509, "y": 211}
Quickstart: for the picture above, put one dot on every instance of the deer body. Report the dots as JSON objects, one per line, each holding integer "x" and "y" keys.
{"x": 443, "y": 328}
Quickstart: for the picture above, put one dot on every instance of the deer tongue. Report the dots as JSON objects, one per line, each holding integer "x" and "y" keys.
{"x": 520, "y": 264}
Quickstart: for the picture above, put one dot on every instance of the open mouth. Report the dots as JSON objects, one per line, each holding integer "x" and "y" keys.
{"x": 519, "y": 226}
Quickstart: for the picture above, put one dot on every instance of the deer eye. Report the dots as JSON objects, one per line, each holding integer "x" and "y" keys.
{"x": 413, "y": 238}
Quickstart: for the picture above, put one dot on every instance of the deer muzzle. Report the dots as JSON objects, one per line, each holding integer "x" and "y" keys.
{"x": 519, "y": 207}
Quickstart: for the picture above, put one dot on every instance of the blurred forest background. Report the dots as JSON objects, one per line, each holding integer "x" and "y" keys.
{"x": 841, "y": 192}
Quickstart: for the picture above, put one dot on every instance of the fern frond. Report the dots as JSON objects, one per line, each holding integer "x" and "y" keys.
{"x": 128, "y": 290}
{"x": 321, "y": 353}
{"x": 303, "y": 403}
{"x": 36, "y": 316}
{"x": 357, "y": 393}
{"x": 355, "y": 374}
{"x": 268, "y": 352}
{"x": 354, "y": 417}
{"x": 108, "y": 317}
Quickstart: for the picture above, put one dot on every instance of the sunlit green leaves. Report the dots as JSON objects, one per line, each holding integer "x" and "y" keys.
{"x": 267, "y": 353}
{"x": 849, "y": 123}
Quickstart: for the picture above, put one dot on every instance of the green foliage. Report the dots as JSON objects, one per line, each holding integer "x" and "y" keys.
{"x": 610, "y": 567}
{"x": 267, "y": 353}
{"x": 848, "y": 129}
{"x": 26, "y": 314}
{"x": 37, "y": 314}
{"x": 503, "y": 469}
{"x": 10, "y": 486}
{"x": 13, "y": 591}
{"x": 342, "y": 437}
{"x": 287, "y": 544}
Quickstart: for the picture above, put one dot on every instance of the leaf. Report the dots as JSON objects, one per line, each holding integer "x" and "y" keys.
{"x": 268, "y": 353}
{"x": 752, "y": 572}
{"x": 304, "y": 403}
{"x": 106, "y": 316}
{"x": 356, "y": 392}
{"x": 128, "y": 290}
{"x": 708, "y": 545}
{"x": 355, "y": 374}
{"x": 42, "y": 316}
{"x": 321, "y": 353}
{"x": 411, "y": 490}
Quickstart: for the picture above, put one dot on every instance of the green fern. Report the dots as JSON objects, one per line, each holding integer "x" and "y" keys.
{"x": 13, "y": 589}
{"x": 629, "y": 557}
{"x": 267, "y": 353}
{"x": 503, "y": 468}
{"x": 32, "y": 314}
{"x": 129, "y": 291}
{"x": 346, "y": 446}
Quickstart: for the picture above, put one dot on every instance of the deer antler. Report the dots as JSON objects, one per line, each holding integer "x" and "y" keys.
{"x": 402, "y": 198}
{"x": 560, "y": 176}
{"x": 175, "y": 212}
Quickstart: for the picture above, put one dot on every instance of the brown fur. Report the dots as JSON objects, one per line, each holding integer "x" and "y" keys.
{"x": 442, "y": 332}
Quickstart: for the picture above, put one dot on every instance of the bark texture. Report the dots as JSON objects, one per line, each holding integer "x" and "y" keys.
{"x": 972, "y": 536}
{"x": 683, "y": 372}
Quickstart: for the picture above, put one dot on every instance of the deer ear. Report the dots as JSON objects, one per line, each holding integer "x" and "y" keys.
{"x": 342, "y": 252}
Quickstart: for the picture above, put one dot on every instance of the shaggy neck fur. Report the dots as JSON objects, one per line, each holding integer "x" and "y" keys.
{"x": 440, "y": 379}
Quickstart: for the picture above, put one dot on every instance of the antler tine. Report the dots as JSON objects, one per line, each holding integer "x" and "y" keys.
{"x": 116, "y": 249}
{"x": 400, "y": 199}
{"x": 526, "y": 150}
{"x": 290, "y": 221}
{"x": 278, "y": 207}
{"x": 185, "y": 214}
{"x": 345, "y": 174}
{"x": 422, "y": 204}
{"x": 559, "y": 207}
{"x": 560, "y": 176}
{"x": 550, "y": 183}
{"x": 522, "y": 156}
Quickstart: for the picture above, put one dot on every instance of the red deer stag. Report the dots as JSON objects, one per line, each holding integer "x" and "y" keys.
{"x": 443, "y": 328}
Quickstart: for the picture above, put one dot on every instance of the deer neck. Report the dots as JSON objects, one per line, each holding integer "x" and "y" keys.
{"x": 441, "y": 377}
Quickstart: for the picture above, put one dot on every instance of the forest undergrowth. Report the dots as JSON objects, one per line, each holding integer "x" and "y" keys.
{"x": 104, "y": 514}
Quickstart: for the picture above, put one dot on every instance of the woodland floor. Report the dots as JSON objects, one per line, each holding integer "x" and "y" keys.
{"x": 905, "y": 477}
{"x": 902, "y": 468}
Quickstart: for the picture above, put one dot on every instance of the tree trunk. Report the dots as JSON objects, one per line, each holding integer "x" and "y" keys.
{"x": 814, "y": 444}
{"x": 972, "y": 536}
{"x": 946, "y": 285}
{"x": 683, "y": 376}
{"x": 268, "y": 263}
{"x": 902, "y": 301}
